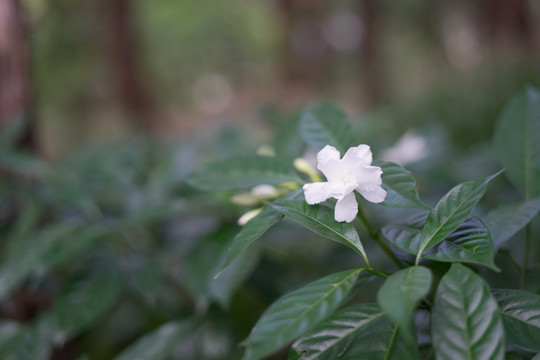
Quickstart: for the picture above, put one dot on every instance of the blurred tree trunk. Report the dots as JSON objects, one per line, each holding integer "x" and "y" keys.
{"x": 370, "y": 51}
{"x": 305, "y": 56}
{"x": 130, "y": 88}
{"x": 508, "y": 25}
{"x": 15, "y": 93}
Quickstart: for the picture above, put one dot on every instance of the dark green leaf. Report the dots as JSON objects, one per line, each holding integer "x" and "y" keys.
{"x": 470, "y": 242}
{"x": 86, "y": 301}
{"x": 320, "y": 219}
{"x": 250, "y": 232}
{"x": 326, "y": 125}
{"x": 241, "y": 173}
{"x": 233, "y": 276}
{"x": 297, "y": 312}
{"x": 157, "y": 344}
{"x": 521, "y": 315}
{"x": 400, "y": 186}
{"x": 360, "y": 331}
{"x": 465, "y": 323}
{"x": 454, "y": 208}
{"x": 401, "y": 293}
{"x": 517, "y": 141}
{"x": 506, "y": 220}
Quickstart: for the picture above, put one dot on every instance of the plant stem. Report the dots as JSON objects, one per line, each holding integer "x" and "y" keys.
{"x": 525, "y": 261}
{"x": 376, "y": 272}
{"x": 376, "y": 235}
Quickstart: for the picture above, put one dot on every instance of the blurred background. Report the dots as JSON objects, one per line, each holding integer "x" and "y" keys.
{"x": 107, "y": 105}
{"x": 85, "y": 71}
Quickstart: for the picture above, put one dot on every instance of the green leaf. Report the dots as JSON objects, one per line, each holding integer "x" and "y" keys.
{"x": 361, "y": 331}
{"x": 506, "y": 220}
{"x": 297, "y": 312}
{"x": 470, "y": 242}
{"x": 86, "y": 301}
{"x": 241, "y": 173}
{"x": 320, "y": 219}
{"x": 287, "y": 141}
{"x": 250, "y": 232}
{"x": 521, "y": 315}
{"x": 26, "y": 254}
{"x": 157, "y": 344}
{"x": 454, "y": 208}
{"x": 326, "y": 125}
{"x": 465, "y": 323}
{"x": 400, "y": 187}
{"x": 71, "y": 248}
{"x": 36, "y": 341}
{"x": 517, "y": 141}
{"x": 401, "y": 293}
{"x": 233, "y": 276}
{"x": 10, "y": 335}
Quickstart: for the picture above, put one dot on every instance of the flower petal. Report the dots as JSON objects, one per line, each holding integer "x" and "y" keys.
{"x": 328, "y": 161}
{"x": 359, "y": 155}
{"x": 374, "y": 193}
{"x": 317, "y": 192}
{"x": 346, "y": 208}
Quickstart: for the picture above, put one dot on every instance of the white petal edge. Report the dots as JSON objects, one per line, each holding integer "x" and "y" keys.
{"x": 374, "y": 194}
{"x": 328, "y": 160}
{"x": 360, "y": 154}
{"x": 346, "y": 208}
{"x": 317, "y": 192}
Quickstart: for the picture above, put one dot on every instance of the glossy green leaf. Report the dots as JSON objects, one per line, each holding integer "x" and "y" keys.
{"x": 453, "y": 209}
{"x": 470, "y": 242}
{"x": 521, "y": 315}
{"x": 361, "y": 331}
{"x": 86, "y": 301}
{"x": 517, "y": 141}
{"x": 297, "y": 312}
{"x": 402, "y": 292}
{"x": 326, "y": 125}
{"x": 465, "y": 322}
{"x": 157, "y": 344}
{"x": 320, "y": 219}
{"x": 241, "y": 173}
{"x": 400, "y": 186}
{"x": 506, "y": 220}
{"x": 233, "y": 276}
{"x": 253, "y": 230}
{"x": 250, "y": 232}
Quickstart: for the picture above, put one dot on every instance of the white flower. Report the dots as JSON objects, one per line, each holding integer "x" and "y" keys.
{"x": 353, "y": 172}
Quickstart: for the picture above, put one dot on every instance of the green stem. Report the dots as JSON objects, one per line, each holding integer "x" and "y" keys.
{"x": 376, "y": 272}
{"x": 525, "y": 261}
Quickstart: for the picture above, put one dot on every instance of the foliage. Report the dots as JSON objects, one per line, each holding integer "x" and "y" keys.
{"x": 132, "y": 250}
{"x": 467, "y": 320}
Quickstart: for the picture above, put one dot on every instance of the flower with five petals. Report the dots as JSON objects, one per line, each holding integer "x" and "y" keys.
{"x": 352, "y": 172}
